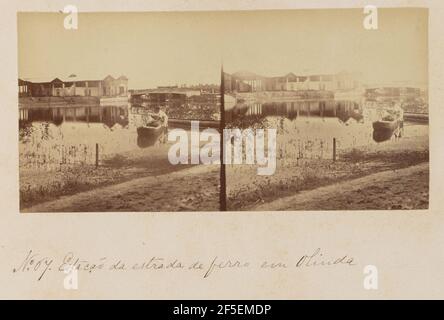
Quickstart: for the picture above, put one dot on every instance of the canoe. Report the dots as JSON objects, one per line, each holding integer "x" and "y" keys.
{"x": 382, "y": 135}
{"x": 383, "y": 125}
{"x": 150, "y": 131}
{"x": 148, "y": 136}
{"x": 383, "y": 130}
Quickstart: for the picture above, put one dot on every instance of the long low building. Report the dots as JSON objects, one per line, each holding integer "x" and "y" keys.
{"x": 171, "y": 93}
{"x": 402, "y": 92}
{"x": 74, "y": 86}
{"x": 251, "y": 82}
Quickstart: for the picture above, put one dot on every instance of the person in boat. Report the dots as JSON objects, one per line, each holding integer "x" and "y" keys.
{"x": 395, "y": 117}
{"x": 159, "y": 117}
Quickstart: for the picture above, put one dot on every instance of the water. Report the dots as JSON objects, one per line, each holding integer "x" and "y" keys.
{"x": 306, "y": 128}
{"x": 49, "y": 137}
{"x": 52, "y": 136}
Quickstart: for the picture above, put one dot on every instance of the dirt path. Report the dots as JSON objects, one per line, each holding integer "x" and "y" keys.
{"x": 406, "y": 188}
{"x": 192, "y": 189}
{"x": 196, "y": 189}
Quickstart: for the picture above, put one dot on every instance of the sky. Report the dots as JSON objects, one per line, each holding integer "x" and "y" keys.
{"x": 156, "y": 49}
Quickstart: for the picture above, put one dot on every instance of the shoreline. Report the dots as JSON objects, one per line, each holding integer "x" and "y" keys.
{"x": 384, "y": 190}
{"x": 141, "y": 194}
{"x": 247, "y": 190}
{"x": 244, "y": 187}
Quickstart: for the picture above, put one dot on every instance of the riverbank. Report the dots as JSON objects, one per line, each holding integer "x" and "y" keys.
{"x": 397, "y": 189}
{"x": 189, "y": 189}
{"x": 262, "y": 96}
{"x": 248, "y": 191}
{"x": 71, "y": 101}
{"x": 185, "y": 110}
{"x": 42, "y": 186}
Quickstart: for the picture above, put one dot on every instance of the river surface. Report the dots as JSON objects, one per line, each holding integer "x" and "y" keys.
{"x": 55, "y": 135}
{"x": 306, "y": 129}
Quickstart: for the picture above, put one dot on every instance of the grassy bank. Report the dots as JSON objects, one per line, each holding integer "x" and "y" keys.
{"x": 246, "y": 189}
{"x": 37, "y": 186}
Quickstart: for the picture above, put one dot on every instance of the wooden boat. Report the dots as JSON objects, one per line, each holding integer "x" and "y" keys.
{"x": 148, "y": 136}
{"x": 150, "y": 130}
{"x": 386, "y": 125}
{"x": 382, "y": 135}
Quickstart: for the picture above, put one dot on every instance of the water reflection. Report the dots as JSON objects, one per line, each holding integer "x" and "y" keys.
{"x": 57, "y": 134}
{"x": 342, "y": 110}
{"x": 306, "y": 126}
{"x": 309, "y": 126}
{"x": 58, "y": 115}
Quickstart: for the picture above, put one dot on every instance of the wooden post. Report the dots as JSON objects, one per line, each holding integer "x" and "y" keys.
{"x": 97, "y": 155}
{"x": 334, "y": 149}
{"x": 223, "y": 177}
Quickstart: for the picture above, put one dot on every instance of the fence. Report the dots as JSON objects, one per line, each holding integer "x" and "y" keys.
{"x": 57, "y": 156}
{"x": 291, "y": 151}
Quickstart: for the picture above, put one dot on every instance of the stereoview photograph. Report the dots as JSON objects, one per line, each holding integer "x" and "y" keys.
{"x": 97, "y": 104}
{"x": 213, "y": 111}
{"x": 341, "y": 103}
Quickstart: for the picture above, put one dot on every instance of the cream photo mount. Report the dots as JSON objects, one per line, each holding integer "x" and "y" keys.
{"x": 256, "y": 252}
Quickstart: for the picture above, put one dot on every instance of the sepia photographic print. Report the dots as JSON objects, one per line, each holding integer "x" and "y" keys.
{"x": 348, "y": 101}
{"x": 97, "y": 104}
{"x": 185, "y": 149}
{"x": 321, "y": 109}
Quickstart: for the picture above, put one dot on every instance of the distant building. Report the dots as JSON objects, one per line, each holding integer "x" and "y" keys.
{"x": 73, "y": 86}
{"x": 23, "y": 88}
{"x": 166, "y": 93}
{"x": 394, "y": 92}
{"x": 250, "y": 82}
{"x": 244, "y": 82}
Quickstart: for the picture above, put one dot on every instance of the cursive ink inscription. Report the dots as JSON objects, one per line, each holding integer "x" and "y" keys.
{"x": 317, "y": 259}
{"x": 35, "y": 262}
{"x": 228, "y": 264}
{"x": 41, "y": 265}
{"x": 70, "y": 261}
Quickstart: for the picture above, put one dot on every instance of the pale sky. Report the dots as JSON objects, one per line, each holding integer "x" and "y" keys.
{"x": 154, "y": 49}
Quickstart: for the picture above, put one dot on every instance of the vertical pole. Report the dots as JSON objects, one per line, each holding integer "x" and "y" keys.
{"x": 334, "y": 149}
{"x": 223, "y": 186}
{"x": 97, "y": 155}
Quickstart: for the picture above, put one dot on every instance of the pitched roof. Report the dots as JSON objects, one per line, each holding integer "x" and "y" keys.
{"x": 39, "y": 79}
{"x": 75, "y": 77}
{"x": 247, "y": 75}
{"x": 108, "y": 77}
{"x": 71, "y": 78}
{"x": 291, "y": 74}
